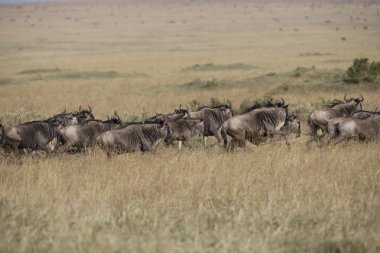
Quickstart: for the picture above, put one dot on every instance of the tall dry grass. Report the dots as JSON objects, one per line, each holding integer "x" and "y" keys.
{"x": 266, "y": 199}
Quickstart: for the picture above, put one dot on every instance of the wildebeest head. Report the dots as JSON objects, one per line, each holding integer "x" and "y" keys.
{"x": 114, "y": 119}
{"x": 180, "y": 112}
{"x": 83, "y": 115}
{"x": 356, "y": 101}
{"x": 293, "y": 125}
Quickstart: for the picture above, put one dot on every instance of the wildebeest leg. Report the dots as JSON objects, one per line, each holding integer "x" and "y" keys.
{"x": 109, "y": 153}
{"x": 65, "y": 147}
{"x": 157, "y": 144}
{"x": 179, "y": 144}
{"x": 340, "y": 139}
{"x": 279, "y": 135}
{"x": 313, "y": 127}
{"x": 238, "y": 137}
{"x": 186, "y": 143}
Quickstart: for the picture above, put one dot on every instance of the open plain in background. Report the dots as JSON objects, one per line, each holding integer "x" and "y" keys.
{"x": 145, "y": 57}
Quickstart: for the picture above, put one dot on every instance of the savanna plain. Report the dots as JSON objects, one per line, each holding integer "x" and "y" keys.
{"x": 139, "y": 58}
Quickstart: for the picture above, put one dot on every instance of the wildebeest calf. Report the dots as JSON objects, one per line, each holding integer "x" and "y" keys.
{"x": 182, "y": 130}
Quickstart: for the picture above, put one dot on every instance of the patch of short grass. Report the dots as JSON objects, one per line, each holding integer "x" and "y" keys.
{"x": 217, "y": 67}
{"x": 5, "y": 80}
{"x": 39, "y": 71}
{"x": 56, "y": 73}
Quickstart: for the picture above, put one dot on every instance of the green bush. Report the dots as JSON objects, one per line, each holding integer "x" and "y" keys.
{"x": 362, "y": 71}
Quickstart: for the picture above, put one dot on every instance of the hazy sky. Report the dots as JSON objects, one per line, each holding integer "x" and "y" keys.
{"x": 25, "y": 1}
{"x": 21, "y": 1}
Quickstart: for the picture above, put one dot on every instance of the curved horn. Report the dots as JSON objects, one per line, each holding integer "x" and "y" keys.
{"x": 345, "y": 96}
{"x": 80, "y": 108}
{"x": 180, "y": 105}
{"x": 362, "y": 98}
{"x": 89, "y": 108}
{"x": 283, "y": 101}
{"x": 187, "y": 108}
{"x": 108, "y": 117}
{"x": 229, "y": 105}
{"x": 64, "y": 111}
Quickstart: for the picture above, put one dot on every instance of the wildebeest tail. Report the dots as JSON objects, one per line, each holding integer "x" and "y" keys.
{"x": 313, "y": 127}
{"x": 336, "y": 132}
{"x": 1, "y": 134}
{"x": 224, "y": 135}
{"x": 299, "y": 130}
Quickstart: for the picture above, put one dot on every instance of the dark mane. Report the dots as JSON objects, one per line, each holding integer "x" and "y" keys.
{"x": 258, "y": 105}
{"x": 333, "y": 103}
{"x": 111, "y": 120}
{"x": 37, "y": 121}
{"x": 371, "y": 112}
{"x": 213, "y": 107}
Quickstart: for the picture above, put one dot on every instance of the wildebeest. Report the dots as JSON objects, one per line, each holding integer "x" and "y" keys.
{"x": 292, "y": 125}
{"x": 182, "y": 130}
{"x": 255, "y": 124}
{"x": 85, "y": 134}
{"x": 134, "y": 137}
{"x": 332, "y": 123}
{"x": 360, "y": 128}
{"x": 180, "y": 126}
{"x": 319, "y": 118}
{"x": 31, "y": 136}
{"x": 213, "y": 118}
{"x": 82, "y": 115}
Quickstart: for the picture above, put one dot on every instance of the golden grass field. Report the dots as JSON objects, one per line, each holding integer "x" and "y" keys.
{"x": 141, "y": 58}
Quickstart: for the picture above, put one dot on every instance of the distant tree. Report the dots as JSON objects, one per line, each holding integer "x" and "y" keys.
{"x": 362, "y": 71}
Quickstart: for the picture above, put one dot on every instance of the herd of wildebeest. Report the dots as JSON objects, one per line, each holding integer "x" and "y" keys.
{"x": 262, "y": 122}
